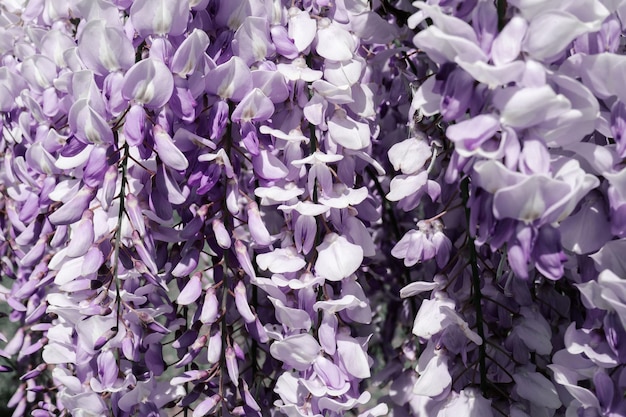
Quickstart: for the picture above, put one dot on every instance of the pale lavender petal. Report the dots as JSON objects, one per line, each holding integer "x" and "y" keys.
{"x": 474, "y": 132}
{"x": 469, "y": 403}
{"x": 337, "y": 258}
{"x": 305, "y": 233}
{"x": 214, "y": 348}
{"x": 221, "y": 234}
{"x": 209, "y": 312}
{"x": 537, "y": 389}
{"x": 434, "y": 379}
{"x": 105, "y": 48}
{"x": 187, "y": 264}
{"x": 335, "y": 43}
{"x": 135, "y": 214}
{"x": 188, "y": 54}
{"x": 96, "y": 166}
{"x": 268, "y": 166}
{"x": 409, "y": 156}
{"x": 403, "y": 186}
{"x": 89, "y": 126}
{"x": 160, "y": 17}
{"x": 327, "y": 332}
{"x": 442, "y": 47}
{"x": 417, "y": 287}
{"x": 232, "y": 366}
{"x": 298, "y": 351}
{"x": 241, "y": 303}
{"x": 91, "y": 262}
{"x": 230, "y": 80}
{"x": 282, "y": 42}
{"x": 148, "y": 82}
{"x": 293, "y": 318}
{"x": 507, "y": 45}
{"x": 272, "y": 83}
{"x": 167, "y": 150}
{"x": 529, "y": 200}
{"x": 569, "y": 379}
{"x": 241, "y": 251}
{"x": 347, "y": 132}
{"x": 550, "y": 32}
{"x": 168, "y": 186}
{"x": 73, "y": 209}
{"x": 301, "y": 28}
{"x": 254, "y": 107}
{"x": 82, "y": 236}
{"x": 281, "y": 260}
{"x": 525, "y": 107}
{"x": 252, "y": 40}
{"x": 135, "y": 127}
{"x": 192, "y": 290}
{"x": 258, "y": 230}
{"x": 206, "y": 406}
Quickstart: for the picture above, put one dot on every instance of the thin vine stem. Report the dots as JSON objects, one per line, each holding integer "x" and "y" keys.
{"x": 118, "y": 234}
{"x": 502, "y": 6}
{"x": 477, "y": 295}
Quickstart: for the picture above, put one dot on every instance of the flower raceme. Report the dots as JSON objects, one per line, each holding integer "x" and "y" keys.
{"x": 154, "y": 143}
{"x": 534, "y": 138}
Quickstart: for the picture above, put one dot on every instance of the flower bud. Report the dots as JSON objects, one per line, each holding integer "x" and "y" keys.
{"x": 232, "y": 366}
{"x": 241, "y": 302}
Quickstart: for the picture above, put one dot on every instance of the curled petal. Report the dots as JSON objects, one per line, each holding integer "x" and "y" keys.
{"x": 254, "y": 107}
{"x": 298, "y": 351}
{"x": 73, "y": 209}
{"x": 335, "y": 43}
{"x": 337, "y": 258}
{"x": 230, "y": 79}
{"x": 434, "y": 379}
{"x": 148, "y": 82}
{"x": 89, "y": 126}
{"x": 105, "y": 48}
{"x": 159, "y": 17}
{"x": 252, "y": 40}
{"x": 188, "y": 54}
{"x": 281, "y": 260}
{"x": 347, "y": 132}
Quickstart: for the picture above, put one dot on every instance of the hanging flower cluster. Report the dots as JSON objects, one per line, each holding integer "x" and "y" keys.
{"x": 313, "y": 207}
{"x": 185, "y": 210}
{"x": 522, "y": 106}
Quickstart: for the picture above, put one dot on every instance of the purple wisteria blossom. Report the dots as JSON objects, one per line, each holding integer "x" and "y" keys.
{"x": 313, "y": 208}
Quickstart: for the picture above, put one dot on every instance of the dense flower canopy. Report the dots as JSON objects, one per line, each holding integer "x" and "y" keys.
{"x": 313, "y": 207}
